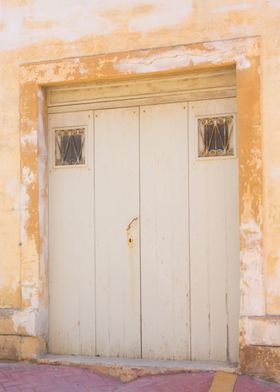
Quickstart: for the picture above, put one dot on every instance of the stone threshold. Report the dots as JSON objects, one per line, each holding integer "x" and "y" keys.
{"x": 130, "y": 369}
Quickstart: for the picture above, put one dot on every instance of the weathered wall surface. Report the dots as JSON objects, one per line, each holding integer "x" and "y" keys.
{"x": 39, "y": 31}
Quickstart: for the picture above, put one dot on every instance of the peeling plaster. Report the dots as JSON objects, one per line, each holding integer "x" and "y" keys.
{"x": 251, "y": 286}
{"x": 30, "y": 321}
{"x": 274, "y": 3}
{"x": 173, "y": 59}
{"x": 30, "y": 294}
{"x": 42, "y": 182}
{"x": 158, "y": 62}
{"x": 51, "y": 72}
{"x": 30, "y": 138}
{"x": 256, "y": 161}
{"x": 24, "y": 202}
{"x": 17, "y": 22}
{"x": 25, "y": 320}
{"x": 28, "y": 178}
{"x": 214, "y": 53}
{"x": 241, "y": 59}
{"x": 242, "y": 62}
{"x": 35, "y": 22}
{"x": 234, "y": 7}
{"x": 262, "y": 332}
{"x": 81, "y": 67}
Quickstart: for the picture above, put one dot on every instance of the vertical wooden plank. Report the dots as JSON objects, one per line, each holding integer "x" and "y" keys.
{"x": 217, "y": 257}
{"x": 233, "y": 257}
{"x": 199, "y": 268}
{"x": 71, "y": 239}
{"x": 214, "y": 248}
{"x": 117, "y": 232}
{"x": 164, "y": 231}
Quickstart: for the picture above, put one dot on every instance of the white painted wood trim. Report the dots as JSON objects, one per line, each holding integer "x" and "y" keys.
{"x": 214, "y": 244}
{"x": 117, "y": 256}
{"x": 140, "y": 88}
{"x": 71, "y": 283}
{"x": 186, "y": 96}
{"x": 164, "y": 231}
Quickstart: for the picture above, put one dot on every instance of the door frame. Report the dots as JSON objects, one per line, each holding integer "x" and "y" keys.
{"x": 243, "y": 54}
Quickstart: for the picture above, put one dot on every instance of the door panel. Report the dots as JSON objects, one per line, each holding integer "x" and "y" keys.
{"x": 214, "y": 242}
{"x": 71, "y": 239}
{"x": 117, "y": 232}
{"x": 143, "y": 236}
{"x": 164, "y": 231}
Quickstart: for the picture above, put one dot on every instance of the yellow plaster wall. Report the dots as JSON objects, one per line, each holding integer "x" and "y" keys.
{"x": 41, "y": 30}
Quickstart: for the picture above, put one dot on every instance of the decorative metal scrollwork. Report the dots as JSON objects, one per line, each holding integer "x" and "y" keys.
{"x": 70, "y": 146}
{"x": 215, "y": 136}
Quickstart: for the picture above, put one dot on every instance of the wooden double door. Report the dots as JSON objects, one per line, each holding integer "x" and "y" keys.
{"x": 143, "y": 232}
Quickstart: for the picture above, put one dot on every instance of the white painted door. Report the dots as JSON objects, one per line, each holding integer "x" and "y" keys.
{"x": 164, "y": 231}
{"x": 214, "y": 237}
{"x": 117, "y": 256}
{"x": 144, "y": 244}
{"x": 71, "y": 235}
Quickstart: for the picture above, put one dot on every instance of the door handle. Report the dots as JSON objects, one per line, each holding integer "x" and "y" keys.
{"x": 128, "y": 232}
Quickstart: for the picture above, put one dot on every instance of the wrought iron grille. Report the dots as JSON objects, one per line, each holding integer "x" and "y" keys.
{"x": 70, "y": 146}
{"x": 215, "y": 136}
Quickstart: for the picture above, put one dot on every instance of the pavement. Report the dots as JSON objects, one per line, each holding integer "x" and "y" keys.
{"x": 25, "y": 377}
